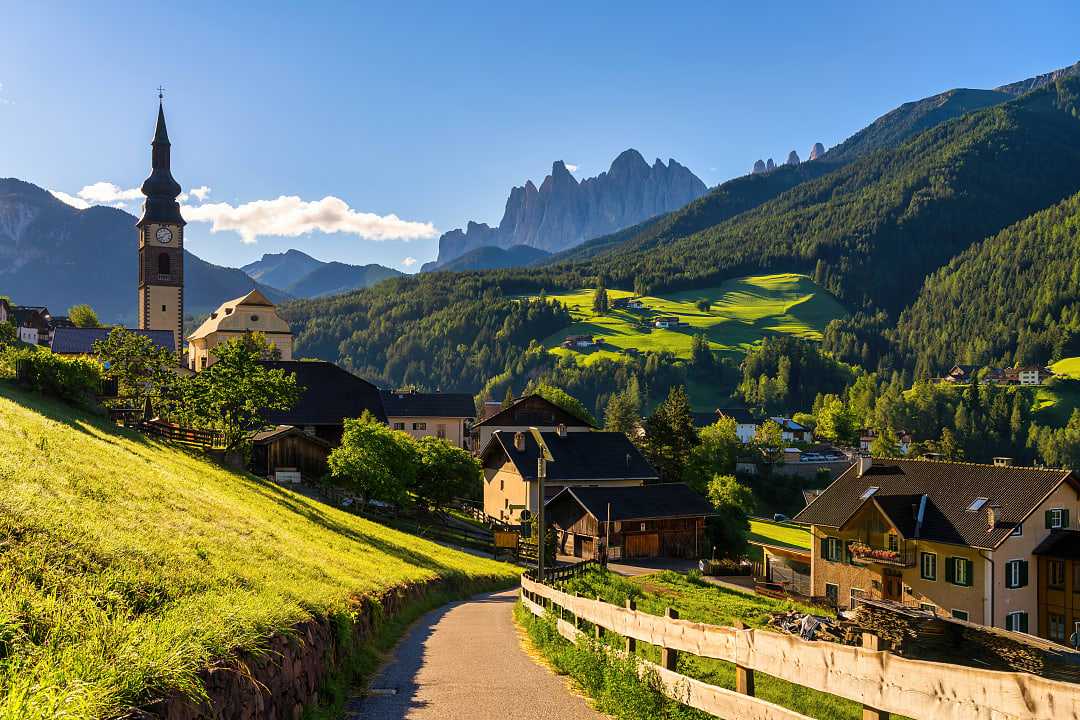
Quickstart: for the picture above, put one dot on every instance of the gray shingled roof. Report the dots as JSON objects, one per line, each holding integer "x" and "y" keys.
{"x": 80, "y": 341}
{"x": 578, "y": 456}
{"x": 662, "y": 500}
{"x": 950, "y": 488}
{"x": 329, "y": 394}
{"x": 417, "y": 404}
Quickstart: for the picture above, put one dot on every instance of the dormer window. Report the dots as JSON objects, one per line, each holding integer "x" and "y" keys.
{"x": 869, "y": 492}
{"x": 977, "y": 504}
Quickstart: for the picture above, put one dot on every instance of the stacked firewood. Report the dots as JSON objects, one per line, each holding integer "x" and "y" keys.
{"x": 816, "y": 627}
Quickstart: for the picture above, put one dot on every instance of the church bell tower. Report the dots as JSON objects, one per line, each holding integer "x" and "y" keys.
{"x": 161, "y": 243}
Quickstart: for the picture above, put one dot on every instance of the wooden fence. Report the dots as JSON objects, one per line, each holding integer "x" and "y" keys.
{"x": 186, "y": 436}
{"x": 882, "y": 682}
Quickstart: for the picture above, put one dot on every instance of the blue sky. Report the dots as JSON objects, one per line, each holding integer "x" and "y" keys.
{"x": 431, "y": 112}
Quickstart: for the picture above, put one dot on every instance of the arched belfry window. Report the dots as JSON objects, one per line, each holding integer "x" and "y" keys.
{"x": 163, "y": 264}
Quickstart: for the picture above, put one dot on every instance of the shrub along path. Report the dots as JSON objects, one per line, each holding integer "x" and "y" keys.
{"x": 464, "y": 661}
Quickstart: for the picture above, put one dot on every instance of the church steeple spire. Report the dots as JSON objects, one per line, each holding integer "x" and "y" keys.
{"x": 160, "y": 189}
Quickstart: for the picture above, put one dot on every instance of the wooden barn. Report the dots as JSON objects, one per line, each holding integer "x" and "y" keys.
{"x": 288, "y": 454}
{"x": 663, "y": 520}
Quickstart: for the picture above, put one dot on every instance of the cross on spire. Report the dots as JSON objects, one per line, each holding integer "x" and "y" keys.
{"x": 160, "y": 93}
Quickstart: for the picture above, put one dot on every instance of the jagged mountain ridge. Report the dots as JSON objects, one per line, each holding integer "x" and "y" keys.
{"x": 56, "y": 255}
{"x": 563, "y": 212}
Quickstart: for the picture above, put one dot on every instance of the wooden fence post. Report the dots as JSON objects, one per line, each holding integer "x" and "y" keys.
{"x": 598, "y": 629}
{"x": 631, "y": 643}
{"x": 668, "y": 657}
{"x": 873, "y": 642}
{"x": 576, "y": 623}
{"x": 744, "y": 676}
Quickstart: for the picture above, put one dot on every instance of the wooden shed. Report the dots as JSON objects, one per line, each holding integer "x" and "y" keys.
{"x": 288, "y": 454}
{"x": 662, "y": 520}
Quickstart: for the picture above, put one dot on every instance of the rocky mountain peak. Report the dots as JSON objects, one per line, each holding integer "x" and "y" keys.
{"x": 817, "y": 151}
{"x": 793, "y": 158}
{"x": 759, "y": 167}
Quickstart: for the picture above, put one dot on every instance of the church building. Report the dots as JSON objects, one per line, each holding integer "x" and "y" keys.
{"x": 161, "y": 244}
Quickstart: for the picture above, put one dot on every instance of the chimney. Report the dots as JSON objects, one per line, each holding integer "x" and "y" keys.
{"x": 991, "y": 517}
{"x": 519, "y": 441}
{"x": 560, "y": 430}
{"x": 1003, "y": 462}
{"x": 862, "y": 464}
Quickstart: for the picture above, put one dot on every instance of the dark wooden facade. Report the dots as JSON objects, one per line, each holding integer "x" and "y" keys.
{"x": 579, "y": 533}
{"x": 1059, "y": 597}
{"x": 289, "y": 449}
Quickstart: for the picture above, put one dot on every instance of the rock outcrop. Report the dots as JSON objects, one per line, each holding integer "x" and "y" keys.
{"x": 759, "y": 167}
{"x": 793, "y": 158}
{"x": 817, "y": 151}
{"x": 770, "y": 165}
{"x": 563, "y": 212}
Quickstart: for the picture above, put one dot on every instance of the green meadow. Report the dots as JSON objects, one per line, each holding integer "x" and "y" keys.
{"x": 741, "y": 312}
{"x": 127, "y": 566}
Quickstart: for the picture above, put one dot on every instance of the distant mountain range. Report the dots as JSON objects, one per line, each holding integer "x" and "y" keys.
{"x": 490, "y": 257}
{"x": 563, "y": 212}
{"x": 302, "y": 276}
{"x": 56, "y": 255}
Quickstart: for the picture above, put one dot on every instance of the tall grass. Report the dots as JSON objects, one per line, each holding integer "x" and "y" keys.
{"x": 127, "y": 566}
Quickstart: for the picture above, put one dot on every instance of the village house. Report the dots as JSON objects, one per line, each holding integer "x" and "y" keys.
{"x": 867, "y": 436}
{"x": 667, "y": 322}
{"x": 792, "y": 431}
{"x": 746, "y": 424}
{"x": 1057, "y": 573}
{"x": 80, "y": 341}
{"x": 957, "y": 539}
{"x": 961, "y": 374}
{"x": 235, "y": 318}
{"x": 580, "y": 459}
{"x": 524, "y": 413}
{"x": 661, "y": 520}
{"x": 444, "y": 415}
{"x": 1033, "y": 375}
{"x": 329, "y": 395}
{"x": 579, "y": 342}
{"x": 33, "y": 324}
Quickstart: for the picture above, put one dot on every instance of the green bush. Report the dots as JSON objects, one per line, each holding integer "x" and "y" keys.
{"x": 70, "y": 379}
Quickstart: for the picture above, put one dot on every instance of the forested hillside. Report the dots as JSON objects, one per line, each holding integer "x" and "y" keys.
{"x": 1014, "y": 298}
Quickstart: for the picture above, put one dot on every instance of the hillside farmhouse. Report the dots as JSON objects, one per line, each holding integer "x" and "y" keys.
{"x": 661, "y": 520}
{"x": 288, "y": 454}
{"x": 580, "y": 342}
{"x": 523, "y": 413}
{"x": 746, "y": 423}
{"x": 510, "y": 458}
{"x": 904, "y": 439}
{"x": 985, "y": 543}
{"x": 233, "y": 319}
{"x": 444, "y": 415}
{"x": 33, "y": 323}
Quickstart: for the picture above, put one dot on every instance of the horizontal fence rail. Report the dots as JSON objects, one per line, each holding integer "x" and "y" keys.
{"x": 877, "y": 679}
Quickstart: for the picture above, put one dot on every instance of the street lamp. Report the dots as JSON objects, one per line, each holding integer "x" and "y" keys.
{"x": 541, "y": 475}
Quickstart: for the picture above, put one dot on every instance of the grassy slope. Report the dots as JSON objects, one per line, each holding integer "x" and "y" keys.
{"x": 743, "y": 311}
{"x": 126, "y": 566}
{"x": 779, "y": 533}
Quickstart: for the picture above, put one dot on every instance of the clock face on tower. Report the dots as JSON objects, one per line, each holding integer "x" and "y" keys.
{"x": 164, "y": 235}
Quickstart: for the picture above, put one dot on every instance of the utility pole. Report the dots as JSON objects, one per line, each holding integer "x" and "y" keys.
{"x": 541, "y": 475}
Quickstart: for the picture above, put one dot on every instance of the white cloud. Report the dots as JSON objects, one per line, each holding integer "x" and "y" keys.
{"x": 200, "y": 192}
{"x": 103, "y": 193}
{"x": 571, "y": 167}
{"x": 4, "y": 100}
{"x": 70, "y": 199}
{"x": 409, "y": 261}
{"x": 289, "y": 216}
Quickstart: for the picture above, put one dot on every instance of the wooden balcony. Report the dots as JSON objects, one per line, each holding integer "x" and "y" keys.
{"x": 862, "y": 552}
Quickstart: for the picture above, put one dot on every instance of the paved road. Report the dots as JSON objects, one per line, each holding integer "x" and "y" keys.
{"x": 464, "y": 661}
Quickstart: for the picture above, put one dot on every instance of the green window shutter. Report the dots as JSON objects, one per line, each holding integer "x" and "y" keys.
{"x": 1023, "y": 622}
{"x": 950, "y": 569}
{"x": 1023, "y": 575}
{"x": 824, "y": 548}
{"x": 1065, "y": 518}
{"x": 968, "y": 574}
{"x": 1049, "y": 521}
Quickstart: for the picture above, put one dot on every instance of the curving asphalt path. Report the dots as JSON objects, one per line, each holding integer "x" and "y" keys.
{"x": 464, "y": 661}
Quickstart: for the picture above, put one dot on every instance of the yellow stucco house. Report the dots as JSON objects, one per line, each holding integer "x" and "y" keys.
{"x": 957, "y": 539}
{"x": 251, "y": 313}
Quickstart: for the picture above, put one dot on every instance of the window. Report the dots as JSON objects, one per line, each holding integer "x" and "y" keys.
{"x": 1056, "y": 629}
{"x": 958, "y": 571}
{"x": 832, "y": 593}
{"x": 928, "y": 566}
{"x": 164, "y": 266}
{"x": 1017, "y": 621}
{"x": 831, "y": 549}
{"x": 928, "y": 607}
{"x": 977, "y": 504}
{"x": 1055, "y": 574}
{"x": 254, "y": 318}
{"x": 1018, "y": 530}
{"x": 853, "y": 601}
{"x": 1076, "y": 577}
{"x": 1016, "y": 573}
{"x": 869, "y": 492}
{"x": 894, "y": 542}
{"x": 399, "y": 426}
{"x": 440, "y": 431}
{"x": 1057, "y": 518}
{"x": 502, "y": 484}
{"x": 506, "y": 503}
{"x": 419, "y": 426}
{"x": 959, "y": 614}
{"x": 164, "y": 309}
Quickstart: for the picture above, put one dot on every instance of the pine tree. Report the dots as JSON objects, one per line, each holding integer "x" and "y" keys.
{"x": 508, "y": 398}
{"x": 670, "y": 435}
{"x": 600, "y": 299}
